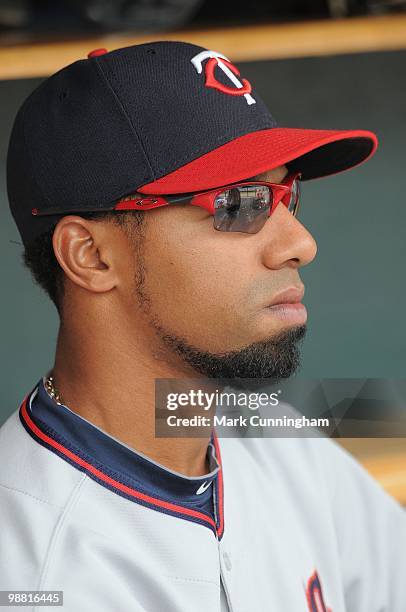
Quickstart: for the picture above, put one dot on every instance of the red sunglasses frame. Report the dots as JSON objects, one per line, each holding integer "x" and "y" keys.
{"x": 205, "y": 199}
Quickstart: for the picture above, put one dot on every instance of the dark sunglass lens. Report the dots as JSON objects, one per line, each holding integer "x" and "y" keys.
{"x": 242, "y": 209}
{"x": 294, "y": 197}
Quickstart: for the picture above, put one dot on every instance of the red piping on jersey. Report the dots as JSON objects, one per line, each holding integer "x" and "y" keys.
{"x": 128, "y": 490}
{"x": 220, "y": 486}
{"x": 315, "y": 605}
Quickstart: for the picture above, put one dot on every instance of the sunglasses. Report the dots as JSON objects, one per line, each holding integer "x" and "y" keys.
{"x": 241, "y": 207}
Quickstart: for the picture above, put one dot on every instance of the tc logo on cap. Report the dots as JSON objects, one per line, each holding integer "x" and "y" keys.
{"x": 243, "y": 88}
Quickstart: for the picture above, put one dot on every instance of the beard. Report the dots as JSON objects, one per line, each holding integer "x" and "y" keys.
{"x": 264, "y": 362}
{"x": 261, "y": 363}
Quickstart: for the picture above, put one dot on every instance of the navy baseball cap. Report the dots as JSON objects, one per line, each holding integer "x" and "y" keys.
{"x": 164, "y": 117}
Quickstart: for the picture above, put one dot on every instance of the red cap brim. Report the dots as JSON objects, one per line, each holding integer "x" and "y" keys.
{"x": 314, "y": 153}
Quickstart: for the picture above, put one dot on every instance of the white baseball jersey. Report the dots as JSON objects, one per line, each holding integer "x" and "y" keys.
{"x": 278, "y": 524}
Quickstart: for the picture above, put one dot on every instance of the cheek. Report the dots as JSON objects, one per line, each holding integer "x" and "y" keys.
{"x": 195, "y": 281}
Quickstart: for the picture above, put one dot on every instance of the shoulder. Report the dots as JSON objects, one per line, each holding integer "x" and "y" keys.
{"x": 28, "y": 467}
{"x": 318, "y": 465}
{"x": 35, "y": 487}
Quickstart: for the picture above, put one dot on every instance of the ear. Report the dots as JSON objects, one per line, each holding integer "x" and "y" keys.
{"x": 84, "y": 250}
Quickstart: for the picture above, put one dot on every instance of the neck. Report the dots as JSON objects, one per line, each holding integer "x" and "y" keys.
{"x": 110, "y": 381}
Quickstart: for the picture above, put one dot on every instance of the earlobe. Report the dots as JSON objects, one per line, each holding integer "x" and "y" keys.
{"x": 83, "y": 254}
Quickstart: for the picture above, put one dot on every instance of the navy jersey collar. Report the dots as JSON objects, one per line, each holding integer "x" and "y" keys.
{"x": 121, "y": 468}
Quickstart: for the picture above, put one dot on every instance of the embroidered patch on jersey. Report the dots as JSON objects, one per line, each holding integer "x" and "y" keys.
{"x": 314, "y": 595}
{"x": 218, "y": 60}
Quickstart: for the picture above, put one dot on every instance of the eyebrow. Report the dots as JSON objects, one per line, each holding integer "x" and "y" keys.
{"x": 262, "y": 180}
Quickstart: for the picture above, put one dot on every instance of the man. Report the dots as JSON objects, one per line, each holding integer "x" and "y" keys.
{"x": 116, "y": 167}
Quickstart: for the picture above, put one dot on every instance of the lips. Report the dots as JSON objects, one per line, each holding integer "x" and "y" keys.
{"x": 292, "y": 295}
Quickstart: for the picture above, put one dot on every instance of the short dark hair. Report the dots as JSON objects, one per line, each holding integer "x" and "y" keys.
{"x": 39, "y": 256}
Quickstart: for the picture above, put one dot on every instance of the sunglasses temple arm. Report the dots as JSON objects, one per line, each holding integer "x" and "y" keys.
{"x": 178, "y": 199}
{"x": 59, "y": 211}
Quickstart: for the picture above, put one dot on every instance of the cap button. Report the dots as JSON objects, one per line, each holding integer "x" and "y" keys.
{"x": 96, "y": 52}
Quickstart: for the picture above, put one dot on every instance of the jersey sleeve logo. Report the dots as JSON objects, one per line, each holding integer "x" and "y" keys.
{"x": 242, "y": 88}
{"x": 314, "y": 595}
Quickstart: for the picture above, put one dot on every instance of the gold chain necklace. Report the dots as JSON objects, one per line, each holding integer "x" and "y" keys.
{"x": 51, "y": 390}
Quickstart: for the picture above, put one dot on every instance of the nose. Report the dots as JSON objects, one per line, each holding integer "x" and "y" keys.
{"x": 286, "y": 241}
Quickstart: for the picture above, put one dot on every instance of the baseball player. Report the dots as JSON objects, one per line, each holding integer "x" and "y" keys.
{"x": 115, "y": 168}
